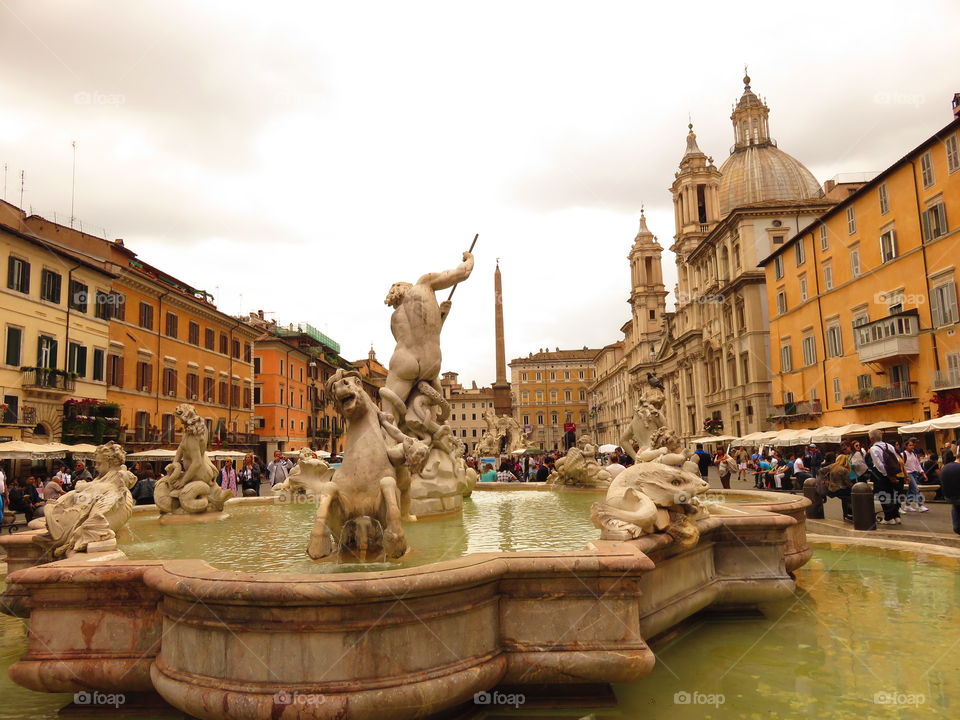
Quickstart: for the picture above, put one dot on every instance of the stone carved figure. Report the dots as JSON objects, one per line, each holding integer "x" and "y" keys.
{"x": 579, "y": 467}
{"x": 362, "y": 503}
{"x": 306, "y": 477}
{"x": 189, "y": 484}
{"x": 509, "y": 429}
{"x": 412, "y": 396}
{"x": 659, "y": 492}
{"x": 87, "y": 519}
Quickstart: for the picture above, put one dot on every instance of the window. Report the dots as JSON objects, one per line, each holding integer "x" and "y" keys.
{"x": 801, "y": 253}
{"x": 786, "y": 359}
{"x": 934, "y": 222}
{"x": 567, "y": 396}
{"x": 837, "y": 392}
{"x": 824, "y": 238}
{"x": 926, "y": 169}
{"x": 884, "y": 200}
{"x": 225, "y": 346}
{"x": 235, "y": 352}
{"x": 834, "y": 341}
{"x": 77, "y": 359}
{"x": 222, "y": 392}
{"x": 888, "y": 245}
{"x": 523, "y": 377}
{"x": 781, "y": 302}
{"x": 538, "y": 377}
{"x": 943, "y": 304}
{"x": 18, "y": 275}
{"x": 118, "y": 308}
{"x": 864, "y": 382}
{"x": 235, "y": 396}
{"x": 169, "y": 381}
{"x": 98, "y": 364}
{"x": 193, "y": 333}
{"x": 859, "y": 318}
{"x": 583, "y": 396}
{"x": 745, "y": 368}
{"x": 851, "y": 220}
{"x": 855, "y": 262}
{"x": 102, "y": 308}
{"x": 953, "y": 154}
{"x": 246, "y": 398}
{"x": 803, "y": 288}
{"x": 208, "y": 389}
{"x": 778, "y": 239}
{"x": 115, "y": 370}
{"x": 827, "y": 276}
{"x": 169, "y": 427}
{"x": 14, "y": 346}
{"x": 50, "y": 286}
{"x": 809, "y": 350}
{"x": 554, "y": 418}
{"x": 209, "y": 339}
{"x": 813, "y": 393}
{"x": 256, "y": 365}
{"x": 566, "y": 374}
{"x": 46, "y": 352}
{"x": 172, "y": 322}
{"x": 778, "y": 267}
{"x": 539, "y": 419}
{"x": 78, "y": 296}
{"x": 144, "y": 376}
{"x": 193, "y": 386}
{"x": 248, "y": 353}
{"x": 146, "y": 316}
{"x": 526, "y": 419}
{"x": 581, "y": 374}
{"x": 553, "y": 376}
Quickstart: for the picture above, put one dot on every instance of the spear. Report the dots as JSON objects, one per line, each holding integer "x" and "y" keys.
{"x": 450, "y": 296}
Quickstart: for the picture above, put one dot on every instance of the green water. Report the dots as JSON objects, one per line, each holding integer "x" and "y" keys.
{"x": 273, "y": 538}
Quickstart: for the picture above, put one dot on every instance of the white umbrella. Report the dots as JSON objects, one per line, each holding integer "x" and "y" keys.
{"x": 84, "y": 451}
{"x": 947, "y": 422}
{"x": 608, "y": 448}
{"x": 21, "y": 450}
{"x": 226, "y": 455}
{"x": 712, "y": 439}
{"x": 755, "y": 438}
{"x": 159, "y": 454}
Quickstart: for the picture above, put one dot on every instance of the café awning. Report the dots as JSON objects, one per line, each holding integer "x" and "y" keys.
{"x": 22, "y": 450}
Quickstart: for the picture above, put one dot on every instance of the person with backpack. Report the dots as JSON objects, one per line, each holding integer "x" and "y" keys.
{"x": 887, "y": 473}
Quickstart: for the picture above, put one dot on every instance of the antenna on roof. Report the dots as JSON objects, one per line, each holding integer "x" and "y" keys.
{"x": 73, "y": 180}
{"x": 22, "y": 180}
{"x": 4, "y": 181}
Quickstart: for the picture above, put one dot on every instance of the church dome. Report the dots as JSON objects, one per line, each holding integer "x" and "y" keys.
{"x": 757, "y": 170}
{"x": 763, "y": 172}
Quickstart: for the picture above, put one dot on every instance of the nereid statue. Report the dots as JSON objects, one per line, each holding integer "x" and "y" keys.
{"x": 658, "y": 493}
{"x": 306, "y": 477}
{"x": 189, "y": 485}
{"x": 87, "y": 519}
{"x": 579, "y": 467}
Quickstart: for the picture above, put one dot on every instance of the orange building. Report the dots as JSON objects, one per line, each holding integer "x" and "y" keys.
{"x": 168, "y": 344}
{"x": 863, "y": 301}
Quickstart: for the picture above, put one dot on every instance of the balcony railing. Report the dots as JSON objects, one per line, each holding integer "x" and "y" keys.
{"x": 889, "y": 337}
{"x": 794, "y": 409}
{"x": 946, "y": 379}
{"x": 882, "y": 394}
{"x": 47, "y": 379}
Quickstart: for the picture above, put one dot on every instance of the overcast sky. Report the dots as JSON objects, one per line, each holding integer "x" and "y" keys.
{"x": 300, "y": 157}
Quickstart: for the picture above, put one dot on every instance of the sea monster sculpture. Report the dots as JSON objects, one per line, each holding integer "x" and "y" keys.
{"x": 361, "y": 507}
{"x": 87, "y": 519}
{"x": 579, "y": 467}
{"x": 306, "y": 477}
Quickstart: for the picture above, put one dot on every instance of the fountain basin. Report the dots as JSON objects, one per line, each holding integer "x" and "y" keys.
{"x": 401, "y": 643}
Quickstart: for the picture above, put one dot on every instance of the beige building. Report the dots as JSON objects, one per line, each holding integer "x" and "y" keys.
{"x": 55, "y": 329}
{"x": 551, "y": 394}
{"x": 609, "y": 395}
{"x": 467, "y": 407}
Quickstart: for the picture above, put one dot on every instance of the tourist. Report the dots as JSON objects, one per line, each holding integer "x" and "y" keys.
{"x": 726, "y": 464}
{"x": 915, "y": 475}
{"x": 742, "y": 457}
{"x": 250, "y": 476}
{"x": 505, "y": 474}
{"x": 279, "y": 468}
{"x": 543, "y": 472}
{"x": 840, "y": 477}
{"x": 488, "y": 474}
{"x": 858, "y": 461}
{"x": 143, "y": 489}
{"x": 53, "y": 489}
{"x": 800, "y": 471}
{"x": 227, "y": 479}
{"x": 64, "y": 478}
{"x": 814, "y": 460}
{"x": 783, "y": 474}
{"x": 614, "y": 467}
{"x": 81, "y": 473}
{"x": 703, "y": 460}
{"x": 25, "y": 498}
{"x": 950, "y": 484}
{"x": 3, "y": 492}
{"x": 886, "y": 468}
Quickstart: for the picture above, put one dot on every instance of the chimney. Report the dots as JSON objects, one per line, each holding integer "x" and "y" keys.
{"x": 260, "y": 314}
{"x": 956, "y": 105}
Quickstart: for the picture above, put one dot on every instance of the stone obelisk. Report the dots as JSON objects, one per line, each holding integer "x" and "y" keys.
{"x": 502, "y": 402}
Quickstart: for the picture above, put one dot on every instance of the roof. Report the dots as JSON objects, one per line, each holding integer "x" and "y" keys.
{"x": 545, "y": 355}
{"x": 938, "y": 136}
{"x": 757, "y": 173}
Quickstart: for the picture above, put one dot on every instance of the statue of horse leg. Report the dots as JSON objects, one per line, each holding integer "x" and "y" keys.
{"x": 394, "y": 542}
{"x": 321, "y": 539}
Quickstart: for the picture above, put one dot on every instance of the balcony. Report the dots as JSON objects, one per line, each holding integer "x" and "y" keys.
{"x": 792, "y": 410}
{"x": 882, "y": 394}
{"x": 49, "y": 379}
{"x": 946, "y": 379}
{"x": 888, "y": 338}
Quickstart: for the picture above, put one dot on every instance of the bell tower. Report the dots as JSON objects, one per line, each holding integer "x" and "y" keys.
{"x": 647, "y": 293}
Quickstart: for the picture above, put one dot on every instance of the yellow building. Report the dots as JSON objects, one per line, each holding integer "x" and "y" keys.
{"x": 55, "y": 329}
{"x": 863, "y": 301}
{"x": 550, "y": 394}
{"x": 609, "y": 395}
{"x": 467, "y": 408}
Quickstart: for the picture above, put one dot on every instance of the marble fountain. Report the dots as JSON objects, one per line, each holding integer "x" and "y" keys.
{"x": 332, "y": 602}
